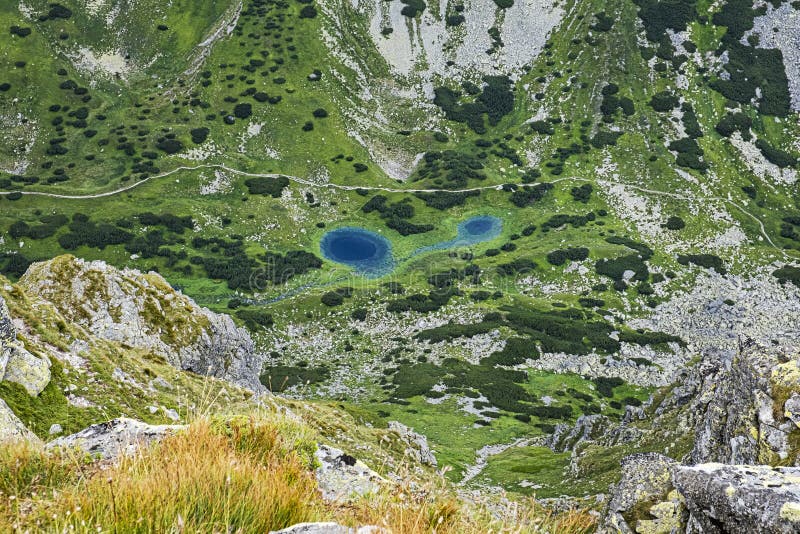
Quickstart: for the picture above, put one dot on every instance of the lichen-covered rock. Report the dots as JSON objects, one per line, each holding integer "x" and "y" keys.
{"x": 735, "y": 404}
{"x": 669, "y": 516}
{"x": 741, "y": 498}
{"x": 142, "y": 310}
{"x": 27, "y": 370}
{"x": 646, "y": 481}
{"x": 17, "y": 364}
{"x": 418, "y": 444}
{"x": 116, "y": 437}
{"x": 342, "y": 477}
{"x": 11, "y": 428}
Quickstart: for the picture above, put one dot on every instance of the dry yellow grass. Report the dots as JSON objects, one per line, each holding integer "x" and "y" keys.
{"x": 243, "y": 474}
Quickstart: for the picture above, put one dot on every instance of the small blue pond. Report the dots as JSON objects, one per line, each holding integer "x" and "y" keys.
{"x": 366, "y": 252}
{"x": 370, "y": 254}
{"x": 470, "y": 232}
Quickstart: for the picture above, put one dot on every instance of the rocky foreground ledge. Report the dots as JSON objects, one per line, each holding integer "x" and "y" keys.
{"x": 657, "y": 495}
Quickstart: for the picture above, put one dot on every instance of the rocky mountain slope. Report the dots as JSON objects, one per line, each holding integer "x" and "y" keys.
{"x": 587, "y": 213}
{"x": 738, "y": 411}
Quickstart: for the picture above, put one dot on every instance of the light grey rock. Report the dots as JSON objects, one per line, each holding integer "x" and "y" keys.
{"x": 792, "y": 408}
{"x": 646, "y": 480}
{"x": 171, "y": 414}
{"x": 111, "y": 439}
{"x": 159, "y": 383}
{"x": 17, "y": 364}
{"x": 733, "y": 409}
{"x": 741, "y": 498}
{"x": 27, "y": 370}
{"x": 55, "y": 429}
{"x": 418, "y": 444}
{"x": 329, "y": 528}
{"x": 11, "y": 428}
{"x": 587, "y": 428}
{"x": 8, "y": 334}
{"x": 142, "y": 310}
{"x": 342, "y": 477}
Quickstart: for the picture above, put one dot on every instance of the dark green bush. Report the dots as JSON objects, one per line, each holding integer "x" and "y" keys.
{"x": 560, "y": 257}
{"x": 674, "y": 223}
{"x": 267, "y": 186}
{"x": 708, "y": 261}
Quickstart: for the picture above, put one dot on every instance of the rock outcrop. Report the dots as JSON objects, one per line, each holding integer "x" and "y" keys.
{"x": 341, "y": 476}
{"x": 116, "y": 437}
{"x": 418, "y": 448}
{"x": 646, "y": 478}
{"x": 16, "y": 363}
{"x": 142, "y": 310}
{"x": 740, "y": 498}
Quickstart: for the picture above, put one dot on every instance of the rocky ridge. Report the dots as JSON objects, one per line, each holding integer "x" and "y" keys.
{"x": 142, "y": 310}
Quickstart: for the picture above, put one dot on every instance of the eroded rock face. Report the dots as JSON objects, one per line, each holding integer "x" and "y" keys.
{"x": 17, "y": 364}
{"x": 741, "y": 498}
{"x": 116, "y": 437}
{"x": 418, "y": 444}
{"x": 143, "y": 311}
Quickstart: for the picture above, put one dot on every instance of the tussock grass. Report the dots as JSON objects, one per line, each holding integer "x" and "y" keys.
{"x": 249, "y": 473}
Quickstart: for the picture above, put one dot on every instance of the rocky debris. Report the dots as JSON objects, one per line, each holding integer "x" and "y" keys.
{"x": 111, "y": 439}
{"x": 329, "y": 528}
{"x": 17, "y": 364}
{"x": 55, "y": 429}
{"x": 418, "y": 444}
{"x": 143, "y": 311}
{"x": 588, "y": 427}
{"x": 646, "y": 478}
{"x": 11, "y": 428}
{"x": 740, "y": 498}
{"x": 341, "y": 476}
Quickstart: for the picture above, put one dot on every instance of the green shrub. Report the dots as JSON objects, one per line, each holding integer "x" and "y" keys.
{"x": 267, "y": 186}
{"x": 615, "y": 268}
{"x": 332, "y": 298}
{"x": 664, "y": 101}
{"x": 605, "y": 385}
{"x": 775, "y": 155}
{"x": 255, "y": 319}
{"x": 674, "y": 223}
{"x": 708, "y": 261}
{"x": 560, "y": 257}
{"x": 412, "y": 8}
{"x": 788, "y": 273}
{"x": 644, "y": 251}
{"x": 582, "y": 193}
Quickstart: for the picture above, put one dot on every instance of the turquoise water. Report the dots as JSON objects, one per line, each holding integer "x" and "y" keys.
{"x": 470, "y": 232}
{"x": 370, "y": 254}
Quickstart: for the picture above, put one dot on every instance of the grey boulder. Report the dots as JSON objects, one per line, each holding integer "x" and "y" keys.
{"x": 116, "y": 437}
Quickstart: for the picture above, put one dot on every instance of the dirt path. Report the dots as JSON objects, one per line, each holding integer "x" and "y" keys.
{"x": 309, "y": 183}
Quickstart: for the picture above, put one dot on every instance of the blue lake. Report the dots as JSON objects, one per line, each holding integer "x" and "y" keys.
{"x": 366, "y": 252}
{"x": 370, "y": 254}
{"x": 470, "y": 232}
